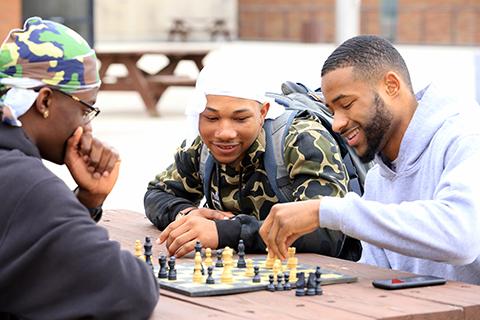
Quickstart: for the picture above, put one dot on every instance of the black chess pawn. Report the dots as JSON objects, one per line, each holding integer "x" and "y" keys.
{"x": 271, "y": 286}
{"x": 198, "y": 247}
{"x": 148, "y": 251}
{"x": 300, "y": 284}
{"x": 287, "y": 285}
{"x": 280, "y": 282}
{"x": 256, "y": 277}
{"x": 311, "y": 284}
{"x": 241, "y": 255}
{"x": 172, "y": 272}
{"x": 162, "y": 272}
{"x": 219, "y": 263}
{"x": 210, "y": 279}
{"x": 318, "y": 280}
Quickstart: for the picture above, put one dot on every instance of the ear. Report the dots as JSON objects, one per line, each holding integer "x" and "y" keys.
{"x": 44, "y": 101}
{"x": 264, "y": 110}
{"x": 392, "y": 83}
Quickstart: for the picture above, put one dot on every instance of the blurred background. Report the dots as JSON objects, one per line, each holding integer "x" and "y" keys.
{"x": 151, "y": 51}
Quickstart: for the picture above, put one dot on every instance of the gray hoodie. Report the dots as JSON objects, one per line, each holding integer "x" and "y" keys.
{"x": 423, "y": 216}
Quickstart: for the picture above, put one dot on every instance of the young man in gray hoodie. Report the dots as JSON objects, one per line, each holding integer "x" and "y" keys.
{"x": 421, "y": 208}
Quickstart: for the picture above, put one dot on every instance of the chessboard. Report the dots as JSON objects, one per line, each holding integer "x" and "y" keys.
{"x": 185, "y": 285}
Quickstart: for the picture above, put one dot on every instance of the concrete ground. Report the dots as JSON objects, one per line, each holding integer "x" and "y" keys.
{"x": 147, "y": 144}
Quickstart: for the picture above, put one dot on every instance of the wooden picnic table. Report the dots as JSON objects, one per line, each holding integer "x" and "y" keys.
{"x": 358, "y": 300}
{"x": 149, "y": 86}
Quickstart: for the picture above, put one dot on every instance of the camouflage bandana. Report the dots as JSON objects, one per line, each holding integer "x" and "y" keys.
{"x": 44, "y": 53}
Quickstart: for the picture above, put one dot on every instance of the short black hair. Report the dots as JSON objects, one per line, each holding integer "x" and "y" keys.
{"x": 370, "y": 56}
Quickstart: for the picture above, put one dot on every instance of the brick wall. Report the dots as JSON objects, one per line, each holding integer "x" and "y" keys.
{"x": 453, "y": 22}
{"x": 10, "y": 16}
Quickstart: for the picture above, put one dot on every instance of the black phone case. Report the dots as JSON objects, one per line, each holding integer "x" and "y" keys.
{"x": 408, "y": 282}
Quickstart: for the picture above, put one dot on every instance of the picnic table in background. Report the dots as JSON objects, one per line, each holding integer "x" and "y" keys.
{"x": 149, "y": 86}
{"x": 357, "y": 300}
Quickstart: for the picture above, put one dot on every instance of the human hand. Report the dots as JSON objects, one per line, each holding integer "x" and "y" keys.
{"x": 287, "y": 222}
{"x": 93, "y": 165}
{"x": 182, "y": 234}
{"x": 211, "y": 214}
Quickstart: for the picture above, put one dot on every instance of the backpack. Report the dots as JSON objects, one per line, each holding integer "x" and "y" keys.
{"x": 296, "y": 98}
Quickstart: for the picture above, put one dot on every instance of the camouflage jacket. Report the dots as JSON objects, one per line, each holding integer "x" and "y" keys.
{"x": 314, "y": 165}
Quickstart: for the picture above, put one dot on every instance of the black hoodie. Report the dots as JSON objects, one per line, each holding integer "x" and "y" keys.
{"x": 55, "y": 262}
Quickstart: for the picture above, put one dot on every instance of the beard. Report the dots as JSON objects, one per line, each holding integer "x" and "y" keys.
{"x": 376, "y": 129}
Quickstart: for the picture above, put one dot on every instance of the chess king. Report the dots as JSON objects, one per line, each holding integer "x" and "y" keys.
{"x": 229, "y": 114}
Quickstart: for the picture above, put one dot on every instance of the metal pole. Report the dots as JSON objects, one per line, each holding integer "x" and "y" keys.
{"x": 347, "y": 19}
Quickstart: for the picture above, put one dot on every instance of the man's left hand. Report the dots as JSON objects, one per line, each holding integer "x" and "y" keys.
{"x": 93, "y": 165}
{"x": 181, "y": 234}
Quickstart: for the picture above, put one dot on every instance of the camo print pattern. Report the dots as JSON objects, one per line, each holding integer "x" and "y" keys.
{"x": 51, "y": 53}
{"x": 311, "y": 155}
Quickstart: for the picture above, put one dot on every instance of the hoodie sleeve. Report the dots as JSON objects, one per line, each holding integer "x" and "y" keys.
{"x": 441, "y": 229}
{"x": 53, "y": 254}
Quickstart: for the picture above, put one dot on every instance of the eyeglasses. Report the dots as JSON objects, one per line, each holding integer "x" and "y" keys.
{"x": 88, "y": 115}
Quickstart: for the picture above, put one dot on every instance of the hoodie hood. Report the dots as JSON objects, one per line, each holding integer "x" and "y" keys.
{"x": 432, "y": 113}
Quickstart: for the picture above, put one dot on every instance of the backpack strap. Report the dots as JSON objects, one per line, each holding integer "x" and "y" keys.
{"x": 275, "y": 132}
{"x": 206, "y": 165}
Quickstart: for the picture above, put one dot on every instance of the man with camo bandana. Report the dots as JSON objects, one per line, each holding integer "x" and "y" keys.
{"x": 55, "y": 262}
{"x": 229, "y": 112}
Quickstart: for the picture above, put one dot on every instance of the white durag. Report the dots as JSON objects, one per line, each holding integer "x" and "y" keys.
{"x": 233, "y": 80}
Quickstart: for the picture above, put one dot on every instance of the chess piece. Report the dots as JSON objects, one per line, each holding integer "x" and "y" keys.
{"x": 270, "y": 260}
{"x": 287, "y": 285}
{"x": 256, "y": 277}
{"x": 271, "y": 286}
{"x": 172, "y": 272}
{"x": 148, "y": 251}
{"x": 277, "y": 267}
{"x": 197, "y": 274}
{"x": 208, "y": 257}
{"x": 300, "y": 284}
{"x": 138, "y": 250}
{"x": 226, "y": 276}
{"x": 219, "y": 263}
{"x": 280, "y": 282}
{"x": 291, "y": 262}
{"x": 198, "y": 247}
{"x": 162, "y": 272}
{"x": 210, "y": 279}
{"x": 311, "y": 284}
{"x": 318, "y": 280}
{"x": 241, "y": 255}
{"x": 249, "y": 271}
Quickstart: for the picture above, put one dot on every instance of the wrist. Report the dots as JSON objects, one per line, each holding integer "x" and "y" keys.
{"x": 184, "y": 212}
{"x": 88, "y": 199}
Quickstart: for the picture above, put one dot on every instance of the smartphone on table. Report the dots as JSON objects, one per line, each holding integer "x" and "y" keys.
{"x": 408, "y": 282}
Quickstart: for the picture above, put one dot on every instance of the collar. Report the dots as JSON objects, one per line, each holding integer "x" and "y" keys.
{"x": 14, "y": 138}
